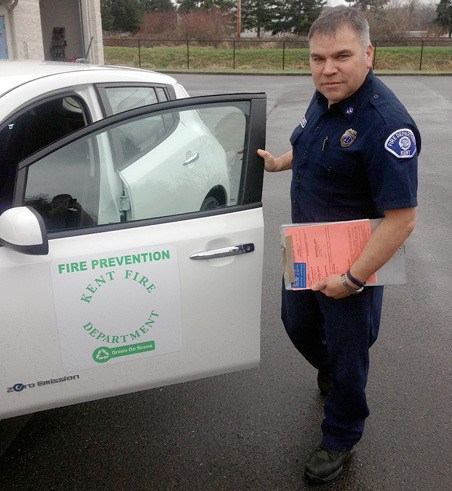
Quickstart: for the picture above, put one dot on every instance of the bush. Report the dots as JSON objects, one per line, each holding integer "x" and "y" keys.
{"x": 158, "y": 24}
{"x": 210, "y": 25}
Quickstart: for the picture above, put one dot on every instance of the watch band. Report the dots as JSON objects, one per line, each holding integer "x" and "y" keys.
{"x": 354, "y": 280}
{"x": 349, "y": 287}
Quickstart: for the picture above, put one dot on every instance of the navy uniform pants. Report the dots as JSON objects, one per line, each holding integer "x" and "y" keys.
{"x": 336, "y": 335}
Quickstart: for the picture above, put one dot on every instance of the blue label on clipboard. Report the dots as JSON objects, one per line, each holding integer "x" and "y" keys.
{"x": 300, "y": 275}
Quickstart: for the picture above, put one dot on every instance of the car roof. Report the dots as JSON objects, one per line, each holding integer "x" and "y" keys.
{"x": 16, "y": 73}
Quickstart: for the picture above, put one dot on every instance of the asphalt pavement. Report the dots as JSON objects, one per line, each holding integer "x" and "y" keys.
{"x": 253, "y": 430}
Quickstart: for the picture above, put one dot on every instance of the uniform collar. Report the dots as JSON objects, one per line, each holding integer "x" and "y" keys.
{"x": 350, "y": 106}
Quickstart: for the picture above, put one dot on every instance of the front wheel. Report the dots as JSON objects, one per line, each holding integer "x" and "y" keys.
{"x": 210, "y": 203}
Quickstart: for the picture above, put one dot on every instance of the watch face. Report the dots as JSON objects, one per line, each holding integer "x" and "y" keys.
{"x": 349, "y": 287}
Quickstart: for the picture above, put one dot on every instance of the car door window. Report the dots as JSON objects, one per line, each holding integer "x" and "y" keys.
{"x": 64, "y": 187}
{"x": 161, "y": 94}
{"x": 33, "y": 129}
{"x": 160, "y": 163}
{"x": 141, "y": 136}
{"x": 124, "y": 98}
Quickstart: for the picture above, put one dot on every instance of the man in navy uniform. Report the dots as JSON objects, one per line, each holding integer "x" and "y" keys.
{"x": 354, "y": 155}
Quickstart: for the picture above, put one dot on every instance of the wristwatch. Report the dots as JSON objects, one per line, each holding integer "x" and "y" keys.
{"x": 349, "y": 287}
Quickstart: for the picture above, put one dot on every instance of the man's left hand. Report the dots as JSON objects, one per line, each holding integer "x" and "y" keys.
{"x": 331, "y": 287}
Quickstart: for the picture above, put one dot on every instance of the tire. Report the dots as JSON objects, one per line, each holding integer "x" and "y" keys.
{"x": 210, "y": 203}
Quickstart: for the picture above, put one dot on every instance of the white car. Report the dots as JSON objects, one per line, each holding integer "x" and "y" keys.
{"x": 131, "y": 238}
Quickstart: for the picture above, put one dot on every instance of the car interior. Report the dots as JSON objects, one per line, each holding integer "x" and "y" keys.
{"x": 32, "y": 130}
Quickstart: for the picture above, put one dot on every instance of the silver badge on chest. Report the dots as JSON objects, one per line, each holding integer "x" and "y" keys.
{"x": 348, "y": 138}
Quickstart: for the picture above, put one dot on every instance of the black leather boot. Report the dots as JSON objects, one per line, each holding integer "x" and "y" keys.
{"x": 325, "y": 464}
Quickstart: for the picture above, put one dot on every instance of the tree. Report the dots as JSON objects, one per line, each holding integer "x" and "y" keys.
{"x": 107, "y": 16}
{"x": 444, "y": 15}
{"x": 188, "y": 5}
{"x": 206, "y": 25}
{"x": 191, "y": 5}
{"x": 257, "y": 14}
{"x": 368, "y": 4}
{"x": 392, "y": 22}
{"x": 222, "y": 5}
{"x": 157, "y": 5}
{"x": 295, "y": 16}
{"x": 121, "y": 15}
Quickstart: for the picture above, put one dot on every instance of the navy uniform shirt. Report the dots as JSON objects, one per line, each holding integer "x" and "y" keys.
{"x": 355, "y": 159}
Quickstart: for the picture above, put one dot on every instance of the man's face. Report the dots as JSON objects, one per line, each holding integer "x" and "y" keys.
{"x": 339, "y": 64}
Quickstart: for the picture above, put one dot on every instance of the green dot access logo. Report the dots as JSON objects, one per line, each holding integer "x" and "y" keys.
{"x": 104, "y": 353}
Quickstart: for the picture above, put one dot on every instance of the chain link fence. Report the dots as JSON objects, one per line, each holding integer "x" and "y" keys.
{"x": 267, "y": 55}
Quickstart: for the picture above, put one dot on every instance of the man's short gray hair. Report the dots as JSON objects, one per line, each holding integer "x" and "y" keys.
{"x": 332, "y": 20}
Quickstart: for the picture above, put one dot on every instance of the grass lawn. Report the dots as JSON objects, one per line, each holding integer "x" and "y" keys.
{"x": 263, "y": 60}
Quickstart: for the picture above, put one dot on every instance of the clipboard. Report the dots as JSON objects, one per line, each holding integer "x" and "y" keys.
{"x": 313, "y": 251}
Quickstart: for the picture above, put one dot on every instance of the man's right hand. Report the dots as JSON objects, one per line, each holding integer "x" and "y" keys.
{"x": 276, "y": 164}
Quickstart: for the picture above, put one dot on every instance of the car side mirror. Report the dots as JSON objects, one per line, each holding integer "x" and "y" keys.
{"x": 22, "y": 229}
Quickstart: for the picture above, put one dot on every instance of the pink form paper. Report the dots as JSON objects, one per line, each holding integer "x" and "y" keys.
{"x": 326, "y": 248}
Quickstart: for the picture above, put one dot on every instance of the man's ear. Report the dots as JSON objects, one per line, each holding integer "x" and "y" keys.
{"x": 369, "y": 55}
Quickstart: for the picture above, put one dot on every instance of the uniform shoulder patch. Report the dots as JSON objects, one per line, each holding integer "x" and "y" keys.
{"x": 401, "y": 143}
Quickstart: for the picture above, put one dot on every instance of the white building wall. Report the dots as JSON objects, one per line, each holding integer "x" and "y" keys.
{"x": 24, "y": 29}
{"x": 92, "y": 27}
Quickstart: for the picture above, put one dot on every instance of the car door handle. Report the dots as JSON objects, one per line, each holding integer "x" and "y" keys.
{"x": 234, "y": 250}
{"x": 191, "y": 159}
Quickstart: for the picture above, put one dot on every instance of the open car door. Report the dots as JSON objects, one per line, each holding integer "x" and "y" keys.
{"x": 133, "y": 255}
